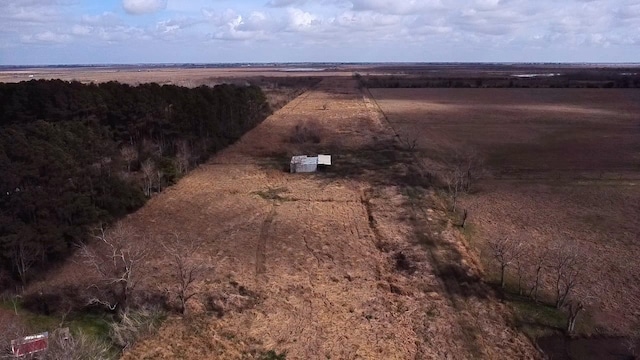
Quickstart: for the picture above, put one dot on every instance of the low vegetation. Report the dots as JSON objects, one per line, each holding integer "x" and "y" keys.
{"x": 507, "y": 78}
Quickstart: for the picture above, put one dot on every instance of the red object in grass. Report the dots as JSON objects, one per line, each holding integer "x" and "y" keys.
{"x": 30, "y": 344}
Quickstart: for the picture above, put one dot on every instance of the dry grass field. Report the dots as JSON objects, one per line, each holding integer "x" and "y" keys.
{"x": 562, "y": 165}
{"x": 176, "y": 76}
{"x": 353, "y": 263}
{"x": 363, "y": 260}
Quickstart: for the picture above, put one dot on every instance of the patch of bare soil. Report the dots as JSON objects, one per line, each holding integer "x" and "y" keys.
{"x": 351, "y": 263}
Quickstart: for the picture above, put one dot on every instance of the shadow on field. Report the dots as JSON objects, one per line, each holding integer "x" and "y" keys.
{"x": 387, "y": 163}
{"x": 381, "y": 163}
{"x": 560, "y": 347}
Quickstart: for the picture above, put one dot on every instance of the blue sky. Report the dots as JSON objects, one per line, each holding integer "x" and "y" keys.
{"x": 173, "y": 31}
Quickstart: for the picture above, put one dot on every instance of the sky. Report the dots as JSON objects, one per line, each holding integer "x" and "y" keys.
{"x": 39, "y": 32}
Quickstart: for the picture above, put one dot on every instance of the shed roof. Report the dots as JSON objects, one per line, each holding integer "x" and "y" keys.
{"x": 324, "y": 159}
{"x": 304, "y": 159}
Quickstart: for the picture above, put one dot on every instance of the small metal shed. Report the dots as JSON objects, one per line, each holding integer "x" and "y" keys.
{"x": 303, "y": 164}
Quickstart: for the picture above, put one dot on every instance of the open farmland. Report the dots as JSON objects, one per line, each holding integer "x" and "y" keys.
{"x": 356, "y": 262}
{"x": 560, "y": 167}
{"x": 134, "y": 75}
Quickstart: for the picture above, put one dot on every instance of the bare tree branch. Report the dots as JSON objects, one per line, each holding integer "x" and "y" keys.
{"x": 187, "y": 268}
{"x": 129, "y": 154}
{"x": 506, "y": 250}
{"x": 149, "y": 170}
{"x": 462, "y": 168}
{"x": 566, "y": 265}
{"x": 183, "y": 156}
{"x": 117, "y": 258}
{"x": 540, "y": 262}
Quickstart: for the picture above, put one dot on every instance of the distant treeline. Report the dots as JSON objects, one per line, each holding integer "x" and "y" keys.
{"x": 537, "y": 79}
{"x": 73, "y": 156}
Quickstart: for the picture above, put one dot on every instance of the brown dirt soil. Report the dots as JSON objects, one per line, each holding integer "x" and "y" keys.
{"x": 350, "y": 263}
{"x": 525, "y": 133}
{"x": 562, "y": 165}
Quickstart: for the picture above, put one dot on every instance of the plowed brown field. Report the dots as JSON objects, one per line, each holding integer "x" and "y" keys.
{"x": 351, "y": 263}
{"x": 562, "y": 165}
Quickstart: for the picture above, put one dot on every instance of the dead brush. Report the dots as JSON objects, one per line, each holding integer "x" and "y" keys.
{"x": 134, "y": 325}
{"x": 67, "y": 345}
{"x": 307, "y": 132}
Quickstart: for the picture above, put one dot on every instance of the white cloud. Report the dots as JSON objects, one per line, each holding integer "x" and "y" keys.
{"x": 46, "y": 37}
{"x": 486, "y": 4}
{"x": 367, "y": 20}
{"x": 220, "y": 18}
{"x": 283, "y": 3}
{"x": 396, "y": 7}
{"x": 230, "y": 25}
{"x": 81, "y": 30}
{"x": 508, "y": 27}
{"x": 104, "y": 19}
{"x": 300, "y": 20}
{"x": 138, "y": 7}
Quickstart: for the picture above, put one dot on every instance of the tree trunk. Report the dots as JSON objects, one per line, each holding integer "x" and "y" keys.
{"x": 573, "y": 315}
{"x": 536, "y": 285}
{"x": 503, "y": 268}
{"x": 464, "y": 218}
{"x": 520, "y": 290}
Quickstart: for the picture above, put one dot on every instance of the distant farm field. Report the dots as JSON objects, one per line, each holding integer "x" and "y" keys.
{"x": 562, "y": 165}
{"x": 524, "y": 132}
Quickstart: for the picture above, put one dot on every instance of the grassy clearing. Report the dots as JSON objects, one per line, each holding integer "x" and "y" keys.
{"x": 536, "y": 319}
{"x": 96, "y": 325}
{"x": 540, "y": 319}
{"x": 100, "y": 329}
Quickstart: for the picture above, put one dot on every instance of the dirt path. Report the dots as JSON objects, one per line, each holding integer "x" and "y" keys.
{"x": 325, "y": 266}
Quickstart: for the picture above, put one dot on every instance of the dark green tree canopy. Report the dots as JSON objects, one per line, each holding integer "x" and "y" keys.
{"x": 71, "y": 155}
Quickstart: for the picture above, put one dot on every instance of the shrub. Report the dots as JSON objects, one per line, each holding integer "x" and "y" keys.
{"x": 134, "y": 325}
{"x": 308, "y": 132}
{"x": 77, "y": 346}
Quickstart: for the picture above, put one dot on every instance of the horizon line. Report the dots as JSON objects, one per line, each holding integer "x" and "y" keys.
{"x": 330, "y": 63}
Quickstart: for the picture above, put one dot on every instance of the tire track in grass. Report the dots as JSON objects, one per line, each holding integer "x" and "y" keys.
{"x": 261, "y": 266}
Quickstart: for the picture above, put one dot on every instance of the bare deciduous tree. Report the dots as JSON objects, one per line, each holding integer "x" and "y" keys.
{"x": 455, "y": 180}
{"x": 24, "y": 256}
{"x": 184, "y": 255}
{"x": 566, "y": 266}
{"x": 539, "y": 264}
{"x": 522, "y": 263}
{"x": 129, "y": 154}
{"x": 183, "y": 156}
{"x": 505, "y": 249}
{"x": 150, "y": 173}
{"x": 117, "y": 258}
{"x": 463, "y": 166}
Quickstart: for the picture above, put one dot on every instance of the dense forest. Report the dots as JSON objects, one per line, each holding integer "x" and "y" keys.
{"x": 73, "y": 156}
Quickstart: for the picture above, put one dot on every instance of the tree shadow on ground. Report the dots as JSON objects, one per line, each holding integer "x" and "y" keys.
{"x": 388, "y": 163}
